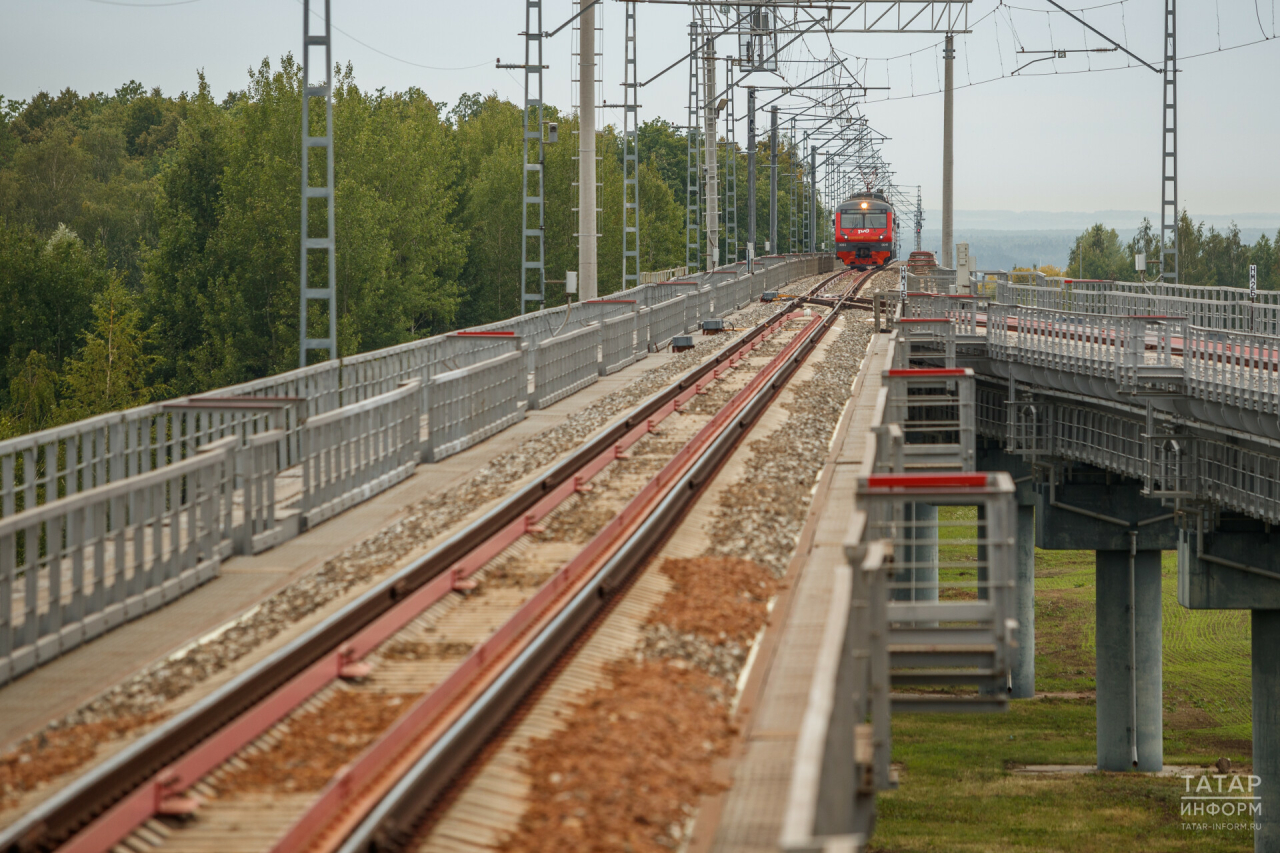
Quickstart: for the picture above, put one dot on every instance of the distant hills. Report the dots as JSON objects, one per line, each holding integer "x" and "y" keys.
{"x": 1001, "y": 239}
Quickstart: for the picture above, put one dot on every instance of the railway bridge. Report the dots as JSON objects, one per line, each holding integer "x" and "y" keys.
{"x": 201, "y": 574}
{"x": 1133, "y": 418}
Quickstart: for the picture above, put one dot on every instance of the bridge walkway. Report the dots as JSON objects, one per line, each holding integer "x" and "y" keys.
{"x": 748, "y": 817}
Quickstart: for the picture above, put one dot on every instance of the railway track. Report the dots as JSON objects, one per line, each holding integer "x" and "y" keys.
{"x": 379, "y": 796}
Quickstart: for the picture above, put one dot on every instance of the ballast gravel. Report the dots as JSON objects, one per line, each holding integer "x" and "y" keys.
{"x": 592, "y": 788}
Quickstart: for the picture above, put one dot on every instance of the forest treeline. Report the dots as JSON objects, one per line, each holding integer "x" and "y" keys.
{"x": 1206, "y": 257}
{"x": 149, "y": 244}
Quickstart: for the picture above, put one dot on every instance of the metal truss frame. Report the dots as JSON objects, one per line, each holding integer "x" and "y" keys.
{"x": 308, "y": 244}
{"x": 533, "y": 201}
{"x": 630, "y": 157}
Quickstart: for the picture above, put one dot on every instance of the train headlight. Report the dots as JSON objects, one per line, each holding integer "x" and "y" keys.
{"x": 864, "y": 205}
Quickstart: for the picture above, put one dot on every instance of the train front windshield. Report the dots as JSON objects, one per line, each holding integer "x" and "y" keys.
{"x": 877, "y": 220}
{"x": 849, "y": 221}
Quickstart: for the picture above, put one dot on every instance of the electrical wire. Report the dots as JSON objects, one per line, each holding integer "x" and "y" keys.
{"x": 367, "y": 45}
{"x": 968, "y": 70}
{"x": 1085, "y": 9}
{"x": 840, "y": 107}
{"x": 1017, "y": 39}
{"x": 145, "y": 5}
{"x": 1016, "y": 35}
{"x": 1124, "y": 26}
{"x": 1072, "y": 73}
{"x": 999, "y": 48}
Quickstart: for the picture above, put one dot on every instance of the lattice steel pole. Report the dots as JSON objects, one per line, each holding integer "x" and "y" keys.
{"x": 588, "y": 219}
{"x": 813, "y": 199}
{"x": 709, "y": 153}
{"x": 1169, "y": 186}
{"x": 919, "y": 218}
{"x": 308, "y": 243}
{"x": 533, "y": 228}
{"x": 731, "y": 172}
{"x": 630, "y": 157}
{"x": 693, "y": 207}
{"x": 804, "y": 199}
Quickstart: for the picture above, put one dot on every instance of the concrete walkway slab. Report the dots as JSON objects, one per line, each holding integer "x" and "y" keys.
{"x": 750, "y": 816}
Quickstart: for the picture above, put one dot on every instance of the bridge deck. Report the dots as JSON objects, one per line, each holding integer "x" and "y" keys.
{"x": 62, "y": 685}
{"x": 749, "y": 815}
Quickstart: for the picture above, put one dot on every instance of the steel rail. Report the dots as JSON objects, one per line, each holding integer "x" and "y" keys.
{"x": 146, "y": 778}
{"x": 393, "y": 821}
{"x": 346, "y": 800}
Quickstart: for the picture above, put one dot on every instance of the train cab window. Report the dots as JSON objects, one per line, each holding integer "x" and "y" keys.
{"x": 850, "y": 220}
{"x": 877, "y": 220}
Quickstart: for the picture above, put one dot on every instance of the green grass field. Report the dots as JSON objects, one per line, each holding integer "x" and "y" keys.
{"x": 957, "y": 791}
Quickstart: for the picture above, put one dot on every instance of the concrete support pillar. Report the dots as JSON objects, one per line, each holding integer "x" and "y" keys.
{"x": 923, "y": 556}
{"x": 1129, "y": 663}
{"x": 1266, "y": 727}
{"x": 1024, "y": 657}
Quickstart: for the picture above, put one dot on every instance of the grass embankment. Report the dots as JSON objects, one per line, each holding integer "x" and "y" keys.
{"x": 958, "y": 793}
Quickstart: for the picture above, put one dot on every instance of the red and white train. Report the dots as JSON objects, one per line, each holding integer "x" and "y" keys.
{"x": 864, "y": 230}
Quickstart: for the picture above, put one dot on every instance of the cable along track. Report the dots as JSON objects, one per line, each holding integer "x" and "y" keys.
{"x": 154, "y": 775}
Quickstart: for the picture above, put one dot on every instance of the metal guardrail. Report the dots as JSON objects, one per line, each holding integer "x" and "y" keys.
{"x": 882, "y": 634}
{"x": 1220, "y": 308}
{"x": 618, "y": 343}
{"x": 353, "y": 425}
{"x": 41, "y": 467}
{"x": 961, "y": 310}
{"x": 937, "y": 280}
{"x": 256, "y": 469}
{"x": 320, "y": 385}
{"x": 925, "y": 337}
{"x": 1239, "y": 369}
{"x": 661, "y": 275}
{"x": 357, "y": 451}
{"x": 566, "y": 364}
{"x": 67, "y": 459}
{"x": 642, "y": 333}
{"x": 1233, "y": 368}
{"x": 666, "y": 320}
{"x": 964, "y": 634}
{"x": 704, "y": 299}
{"x": 933, "y": 411}
{"x": 1218, "y": 472}
{"x": 723, "y": 299}
{"x": 470, "y": 404}
{"x": 81, "y": 565}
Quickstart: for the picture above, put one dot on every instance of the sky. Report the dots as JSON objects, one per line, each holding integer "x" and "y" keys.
{"x": 1056, "y": 142}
